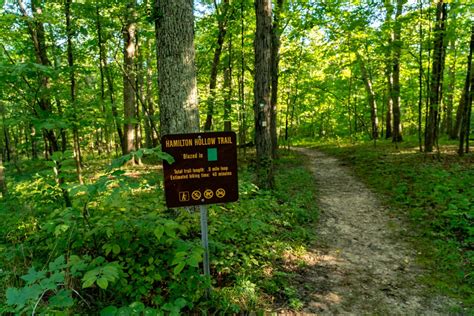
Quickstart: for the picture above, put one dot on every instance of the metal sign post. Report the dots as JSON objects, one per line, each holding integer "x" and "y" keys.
{"x": 205, "y": 243}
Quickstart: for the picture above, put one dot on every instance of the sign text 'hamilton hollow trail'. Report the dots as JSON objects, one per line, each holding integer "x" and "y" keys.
{"x": 204, "y": 171}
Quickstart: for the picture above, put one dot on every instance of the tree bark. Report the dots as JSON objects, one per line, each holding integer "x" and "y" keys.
{"x": 3, "y": 184}
{"x": 397, "y": 51}
{"x": 72, "y": 78}
{"x": 262, "y": 93}
{"x": 129, "y": 57}
{"x": 420, "y": 78}
{"x": 228, "y": 90}
{"x": 243, "y": 109}
{"x": 222, "y": 26}
{"x": 389, "y": 67}
{"x": 275, "y": 60}
{"x": 466, "y": 101}
{"x": 448, "y": 113}
{"x": 175, "y": 62}
{"x": 370, "y": 96}
{"x": 150, "y": 106}
{"x": 436, "y": 85}
{"x": 107, "y": 75}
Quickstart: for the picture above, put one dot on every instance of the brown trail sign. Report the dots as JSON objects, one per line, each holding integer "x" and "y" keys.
{"x": 204, "y": 171}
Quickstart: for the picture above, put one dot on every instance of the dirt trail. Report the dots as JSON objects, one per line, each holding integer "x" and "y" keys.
{"x": 361, "y": 265}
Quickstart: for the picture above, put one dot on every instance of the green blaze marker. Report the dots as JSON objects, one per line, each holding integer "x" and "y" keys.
{"x": 212, "y": 154}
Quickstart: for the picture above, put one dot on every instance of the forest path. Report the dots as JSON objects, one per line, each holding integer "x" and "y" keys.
{"x": 361, "y": 263}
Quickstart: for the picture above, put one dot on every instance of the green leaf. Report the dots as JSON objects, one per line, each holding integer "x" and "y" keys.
{"x": 110, "y": 272}
{"x": 137, "y": 307}
{"x": 48, "y": 284}
{"x": 180, "y": 302}
{"x": 177, "y": 270}
{"x": 103, "y": 283}
{"x": 159, "y": 230}
{"x": 116, "y": 249}
{"x": 117, "y": 173}
{"x": 14, "y": 297}
{"x": 57, "y": 156}
{"x": 139, "y": 154}
{"x": 109, "y": 311}
{"x": 89, "y": 278}
{"x": 33, "y": 275}
{"x": 88, "y": 283}
{"x": 62, "y": 299}
{"x": 57, "y": 277}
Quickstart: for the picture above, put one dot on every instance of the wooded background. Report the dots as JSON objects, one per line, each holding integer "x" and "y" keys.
{"x": 84, "y": 75}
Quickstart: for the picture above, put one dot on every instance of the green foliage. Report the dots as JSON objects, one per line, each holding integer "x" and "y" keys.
{"x": 119, "y": 244}
{"x": 30, "y": 298}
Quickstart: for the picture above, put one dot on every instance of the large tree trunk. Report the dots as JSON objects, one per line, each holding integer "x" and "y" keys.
{"x": 222, "y": 25}
{"x": 466, "y": 101}
{"x": 129, "y": 56}
{"x": 436, "y": 84}
{"x": 72, "y": 78}
{"x": 262, "y": 105}
{"x": 397, "y": 51}
{"x": 176, "y": 71}
{"x": 276, "y": 33}
{"x": 370, "y": 96}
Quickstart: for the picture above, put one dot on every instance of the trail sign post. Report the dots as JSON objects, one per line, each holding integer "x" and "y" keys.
{"x": 204, "y": 172}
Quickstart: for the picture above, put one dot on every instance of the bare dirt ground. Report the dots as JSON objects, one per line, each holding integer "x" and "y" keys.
{"x": 361, "y": 264}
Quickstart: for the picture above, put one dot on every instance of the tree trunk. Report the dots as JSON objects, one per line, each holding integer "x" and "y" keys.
{"x": 420, "y": 78}
{"x": 176, "y": 72}
{"x": 448, "y": 113}
{"x": 243, "y": 109}
{"x": 3, "y": 184}
{"x": 129, "y": 56}
{"x": 108, "y": 76}
{"x": 275, "y": 60}
{"x": 222, "y": 25}
{"x": 262, "y": 105}
{"x": 102, "y": 76}
{"x": 397, "y": 51}
{"x": 6, "y": 136}
{"x": 228, "y": 91}
{"x": 72, "y": 78}
{"x": 150, "y": 106}
{"x": 436, "y": 85}
{"x": 466, "y": 100}
{"x": 370, "y": 96}
{"x": 389, "y": 67}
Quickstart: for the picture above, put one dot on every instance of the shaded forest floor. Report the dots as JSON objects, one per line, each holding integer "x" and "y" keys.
{"x": 401, "y": 247}
{"x": 268, "y": 250}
